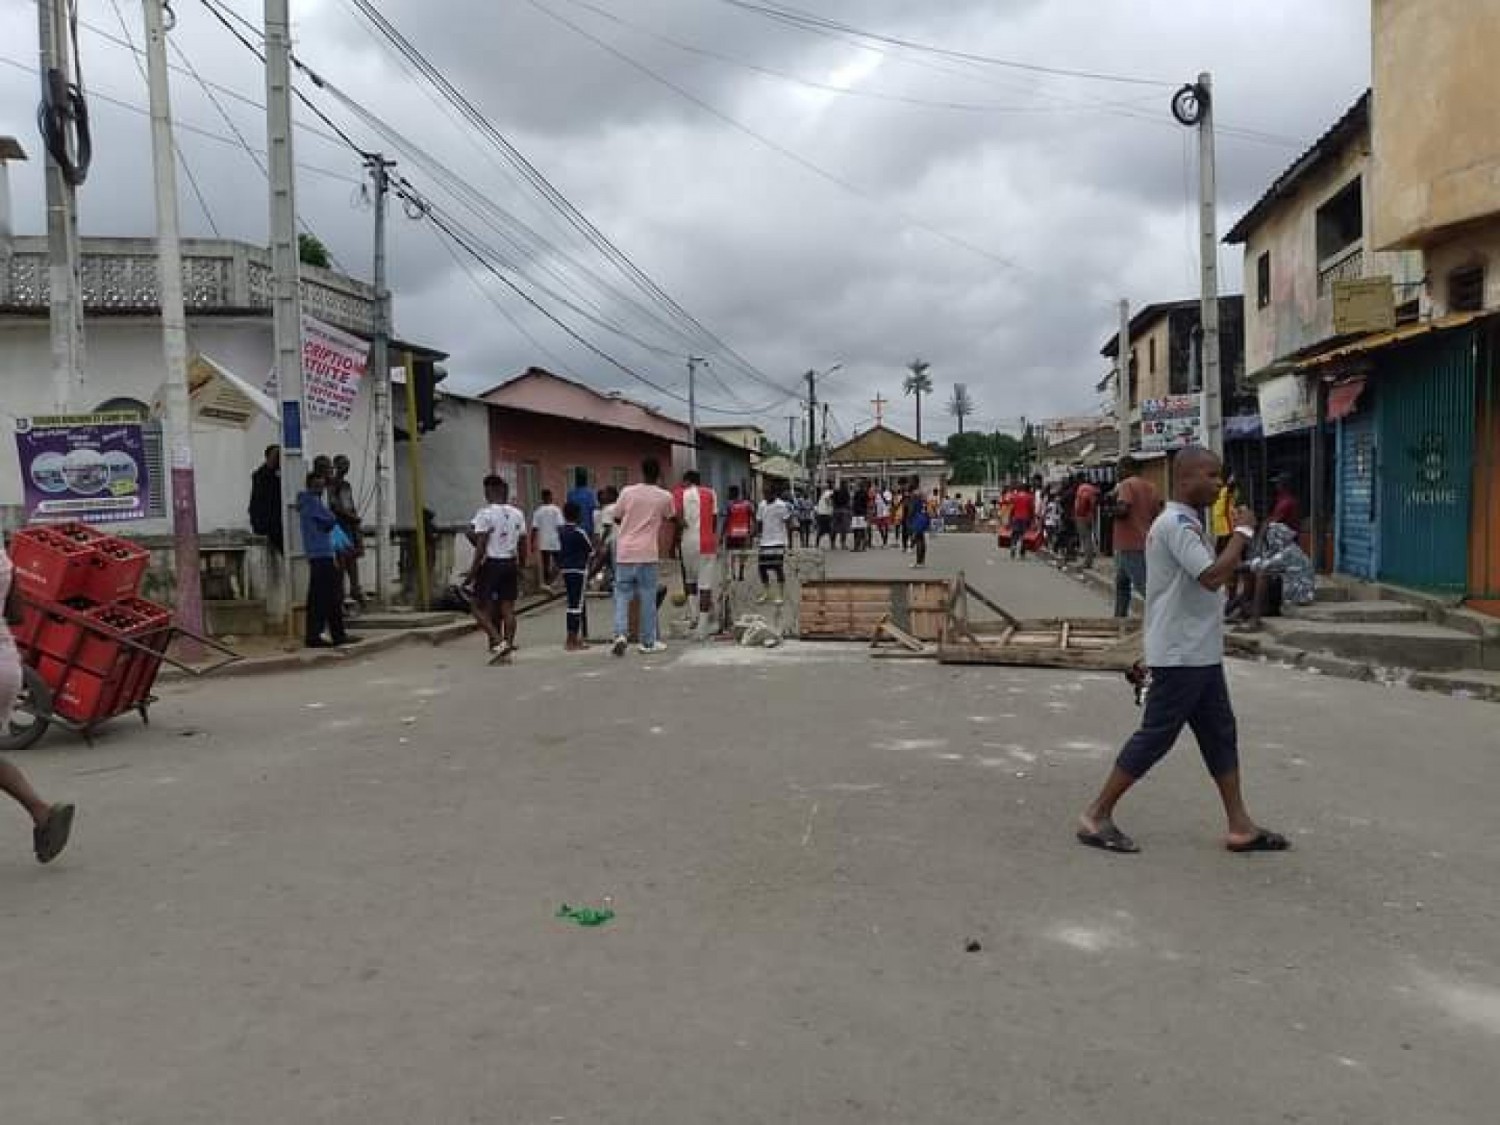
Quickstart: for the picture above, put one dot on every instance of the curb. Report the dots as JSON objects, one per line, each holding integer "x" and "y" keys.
{"x": 371, "y": 645}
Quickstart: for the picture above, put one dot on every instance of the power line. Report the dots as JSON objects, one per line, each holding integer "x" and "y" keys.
{"x": 790, "y": 154}
{"x": 182, "y": 159}
{"x": 795, "y": 17}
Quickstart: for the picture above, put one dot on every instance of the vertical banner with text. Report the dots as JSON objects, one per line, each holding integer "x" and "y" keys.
{"x": 334, "y": 364}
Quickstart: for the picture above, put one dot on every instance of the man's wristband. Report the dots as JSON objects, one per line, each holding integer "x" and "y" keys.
{"x": 1247, "y": 532}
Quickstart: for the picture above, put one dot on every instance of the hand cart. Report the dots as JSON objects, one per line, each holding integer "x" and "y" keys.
{"x": 83, "y": 667}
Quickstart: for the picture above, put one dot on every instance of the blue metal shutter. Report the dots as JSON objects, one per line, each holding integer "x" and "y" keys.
{"x": 1356, "y": 530}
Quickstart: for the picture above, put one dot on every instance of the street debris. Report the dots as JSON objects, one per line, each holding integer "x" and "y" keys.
{"x": 585, "y": 915}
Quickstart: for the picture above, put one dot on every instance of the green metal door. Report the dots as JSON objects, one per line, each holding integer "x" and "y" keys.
{"x": 1426, "y": 421}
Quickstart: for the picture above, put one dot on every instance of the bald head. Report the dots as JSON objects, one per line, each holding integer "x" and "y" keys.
{"x": 1197, "y": 476}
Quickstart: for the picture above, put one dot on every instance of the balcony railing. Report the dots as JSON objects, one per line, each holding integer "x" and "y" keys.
{"x": 1346, "y": 265}
{"x": 119, "y": 276}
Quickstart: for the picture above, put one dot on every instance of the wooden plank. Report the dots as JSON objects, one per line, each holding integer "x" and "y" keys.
{"x": 993, "y": 607}
{"x": 901, "y": 637}
{"x": 1064, "y": 642}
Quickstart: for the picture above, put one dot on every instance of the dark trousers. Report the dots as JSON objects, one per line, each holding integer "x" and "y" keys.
{"x": 578, "y": 610}
{"x": 919, "y": 541}
{"x": 325, "y": 599}
{"x": 1179, "y": 697}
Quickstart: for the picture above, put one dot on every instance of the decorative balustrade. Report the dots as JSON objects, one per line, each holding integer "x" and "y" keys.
{"x": 119, "y": 275}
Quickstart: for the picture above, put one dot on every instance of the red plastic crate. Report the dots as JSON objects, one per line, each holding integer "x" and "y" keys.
{"x": 66, "y": 639}
{"x": 116, "y": 570}
{"x": 77, "y": 694}
{"x": 25, "y": 633}
{"x": 148, "y": 625}
{"x": 52, "y": 562}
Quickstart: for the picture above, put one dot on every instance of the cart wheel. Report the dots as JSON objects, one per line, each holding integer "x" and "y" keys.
{"x": 32, "y": 714}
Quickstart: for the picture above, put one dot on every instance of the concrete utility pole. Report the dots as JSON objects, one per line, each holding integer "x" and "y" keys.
{"x": 380, "y": 364}
{"x": 179, "y": 417}
{"x": 791, "y": 433}
{"x": 812, "y": 424}
{"x": 66, "y": 273}
{"x": 1122, "y": 380}
{"x": 693, "y": 362}
{"x": 286, "y": 295}
{"x": 1194, "y": 106}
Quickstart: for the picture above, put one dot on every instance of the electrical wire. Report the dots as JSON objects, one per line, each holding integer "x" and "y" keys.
{"x": 182, "y": 159}
{"x": 796, "y": 17}
{"x": 790, "y": 154}
{"x": 63, "y": 115}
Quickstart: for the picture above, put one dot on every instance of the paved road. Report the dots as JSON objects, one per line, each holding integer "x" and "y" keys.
{"x": 329, "y": 898}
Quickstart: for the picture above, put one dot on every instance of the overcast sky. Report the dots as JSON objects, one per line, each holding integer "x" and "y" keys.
{"x": 859, "y": 204}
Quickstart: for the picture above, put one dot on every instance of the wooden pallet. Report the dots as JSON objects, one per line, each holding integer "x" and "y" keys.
{"x": 854, "y": 609}
{"x": 1084, "y": 643}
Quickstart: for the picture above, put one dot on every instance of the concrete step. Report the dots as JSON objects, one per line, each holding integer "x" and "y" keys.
{"x": 1467, "y": 684}
{"x": 1328, "y": 591}
{"x": 1358, "y": 613}
{"x": 1424, "y": 646}
{"x": 381, "y": 620}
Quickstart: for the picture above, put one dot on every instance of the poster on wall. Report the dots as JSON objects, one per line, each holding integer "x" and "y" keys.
{"x": 334, "y": 365}
{"x": 1172, "y": 422}
{"x": 89, "y": 467}
{"x": 1286, "y": 405}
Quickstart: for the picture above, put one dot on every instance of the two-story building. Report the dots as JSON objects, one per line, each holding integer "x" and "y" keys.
{"x": 1166, "y": 376}
{"x": 1307, "y": 235}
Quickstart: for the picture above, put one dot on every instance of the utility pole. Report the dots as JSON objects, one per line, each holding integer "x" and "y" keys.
{"x": 286, "y": 296}
{"x": 693, "y": 362}
{"x": 418, "y": 490}
{"x": 380, "y": 356}
{"x": 812, "y": 424}
{"x": 1194, "y": 106}
{"x": 791, "y": 432}
{"x": 823, "y": 450}
{"x": 1122, "y": 380}
{"x": 63, "y": 251}
{"x": 179, "y": 417}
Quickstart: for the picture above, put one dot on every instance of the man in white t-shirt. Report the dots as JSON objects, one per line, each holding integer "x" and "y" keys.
{"x": 1185, "y": 652}
{"x": 546, "y": 525}
{"x": 498, "y": 534}
{"x": 642, "y": 513}
{"x": 773, "y": 516}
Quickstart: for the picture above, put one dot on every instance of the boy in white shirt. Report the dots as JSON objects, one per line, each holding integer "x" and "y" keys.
{"x": 773, "y": 516}
{"x": 499, "y": 537}
{"x": 546, "y": 522}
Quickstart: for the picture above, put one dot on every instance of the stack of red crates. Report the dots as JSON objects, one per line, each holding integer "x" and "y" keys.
{"x": 81, "y": 588}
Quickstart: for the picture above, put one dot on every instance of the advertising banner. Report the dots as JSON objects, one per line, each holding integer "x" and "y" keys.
{"x": 334, "y": 364}
{"x": 1287, "y": 405}
{"x": 1172, "y": 422}
{"x": 88, "y": 467}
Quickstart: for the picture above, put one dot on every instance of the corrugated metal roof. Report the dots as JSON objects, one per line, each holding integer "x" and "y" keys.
{"x": 1354, "y": 122}
{"x": 1382, "y": 340}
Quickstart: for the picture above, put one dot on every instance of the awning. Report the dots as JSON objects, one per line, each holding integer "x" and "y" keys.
{"x": 1344, "y": 397}
{"x": 1382, "y": 340}
{"x": 219, "y": 397}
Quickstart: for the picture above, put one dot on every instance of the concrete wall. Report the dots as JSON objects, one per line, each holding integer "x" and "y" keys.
{"x": 1473, "y": 246}
{"x": 455, "y": 461}
{"x": 719, "y": 466}
{"x": 1437, "y": 151}
{"x": 1298, "y": 316}
{"x": 124, "y": 359}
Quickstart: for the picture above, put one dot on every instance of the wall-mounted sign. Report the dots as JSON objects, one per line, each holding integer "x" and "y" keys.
{"x": 1171, "y": 422}
{"x": 88, "y": 467}
{"x": 1364, "y": 304}
{"x": 219, "y": 397}
{"x": 333, "y": 366}
{"x": 1287, "y": 405}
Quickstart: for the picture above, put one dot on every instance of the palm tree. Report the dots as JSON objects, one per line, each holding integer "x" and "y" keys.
{"x": 918, "y": 383}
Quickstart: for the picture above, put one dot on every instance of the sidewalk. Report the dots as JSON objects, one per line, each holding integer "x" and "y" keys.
{"x": 262, "y": 654}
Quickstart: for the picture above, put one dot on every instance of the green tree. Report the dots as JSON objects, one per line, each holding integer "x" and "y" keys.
{"x": 311, "y": 251}
{"x": 982, "y": 458}
{"x": 917, "y": 384}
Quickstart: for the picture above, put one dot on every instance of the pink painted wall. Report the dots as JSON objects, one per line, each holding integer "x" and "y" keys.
{"x": 556, "y": 443}
{"x": 544, "y": 393}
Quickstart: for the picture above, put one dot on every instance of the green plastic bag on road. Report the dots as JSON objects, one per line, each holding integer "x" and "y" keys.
{"x": 585, "y": 915}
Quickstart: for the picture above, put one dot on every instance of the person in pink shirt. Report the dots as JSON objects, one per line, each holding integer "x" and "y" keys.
{"x": 642, "y": 514}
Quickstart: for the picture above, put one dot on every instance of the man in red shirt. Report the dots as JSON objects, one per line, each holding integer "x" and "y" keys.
{"x": 1085, "y": 509}
{"x": 1022, "y": 514}
{"x": 739, "y": 530}
{"x": 1285, "y": 507}
{"x": 1137, "y": 504}
{"x": 697, "y": 511}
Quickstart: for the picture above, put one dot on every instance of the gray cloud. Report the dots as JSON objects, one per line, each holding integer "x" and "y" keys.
{"x": 1072, "y": 186}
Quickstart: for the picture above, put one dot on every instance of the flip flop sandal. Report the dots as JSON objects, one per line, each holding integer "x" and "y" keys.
{"x": 1109, "y": 839}
{"x": 51, "y": 838}
{"x": 1264, "y": 841}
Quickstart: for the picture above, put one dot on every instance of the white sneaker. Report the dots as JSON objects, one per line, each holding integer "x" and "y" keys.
{"x": 652, "y": 649}
{"x": 620, "y": 645}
